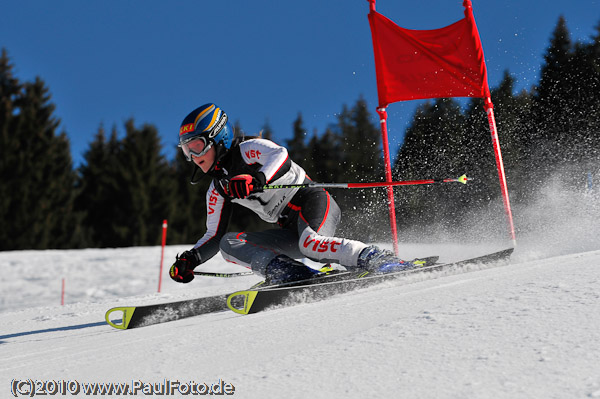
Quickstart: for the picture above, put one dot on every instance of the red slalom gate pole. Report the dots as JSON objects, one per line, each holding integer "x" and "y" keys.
{"x": 162, "y": 252}
{"x": 388, "y": 175}
{"x": 489, "y": 109}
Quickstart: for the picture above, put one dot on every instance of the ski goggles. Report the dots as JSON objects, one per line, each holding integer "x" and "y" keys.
{"x": 197, "y": 146}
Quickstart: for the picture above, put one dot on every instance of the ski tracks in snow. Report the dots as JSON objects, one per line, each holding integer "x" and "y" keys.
{"x": 529, "y": 329}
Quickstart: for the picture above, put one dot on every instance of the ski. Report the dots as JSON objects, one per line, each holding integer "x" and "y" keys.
{"x": 145, "y": 315}
{"x": 256, "y": 300}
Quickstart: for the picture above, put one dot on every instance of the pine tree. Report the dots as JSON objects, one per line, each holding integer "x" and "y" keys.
{"x": 10, "y": 88}
{"x": 513, "y": 118}
{"x": 98, "y": 189}
{"x": 434, "y": 147}
{"x": 36, "y": 169}
{"x": 146, "y": 187}
{"x": 237, "y": 129}
{"x": 362, "y": 161}
{"x": 267, "y": 131}
{"x": 324, "y": 157}
{"x": 360, "y": 144}
{"x": 553, "y": 110}
{"x": 482, "y": 197}
{"x": 593, "y": 93}
{"x": 127, "y": 186}
{"x": 188, "y": 222}
{"x": 433, "y": 142}
{"x": 296, "y": 147}
{"x": 584, "y": 77}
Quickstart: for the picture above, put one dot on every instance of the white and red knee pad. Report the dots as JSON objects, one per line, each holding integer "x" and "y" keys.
{"x": 322, "y": 248}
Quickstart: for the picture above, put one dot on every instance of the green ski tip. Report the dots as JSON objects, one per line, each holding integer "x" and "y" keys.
{"x": 127, "y": 315}
{"x": 243, "y": 305}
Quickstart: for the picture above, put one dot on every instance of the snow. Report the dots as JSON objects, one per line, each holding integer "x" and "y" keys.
{"x": 529, "y": 329}
{"x": 524, "y": 330}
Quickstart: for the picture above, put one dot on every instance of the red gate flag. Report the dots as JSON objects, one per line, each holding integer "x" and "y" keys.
{"x": 419, "y": 64}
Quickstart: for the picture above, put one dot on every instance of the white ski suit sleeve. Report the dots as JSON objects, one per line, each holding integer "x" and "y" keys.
{"x": 273, "y": 161}
{"x": 218, "y": 210}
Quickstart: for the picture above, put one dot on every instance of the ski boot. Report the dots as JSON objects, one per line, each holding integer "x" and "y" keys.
{"x": 377, "y": 260}
{"x": 283, "y": 269}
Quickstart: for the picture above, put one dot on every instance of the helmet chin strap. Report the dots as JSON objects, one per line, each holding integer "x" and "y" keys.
{"x": 196, "y": 181}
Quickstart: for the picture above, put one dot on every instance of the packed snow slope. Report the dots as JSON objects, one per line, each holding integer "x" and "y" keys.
{"x": 530, "y": 329}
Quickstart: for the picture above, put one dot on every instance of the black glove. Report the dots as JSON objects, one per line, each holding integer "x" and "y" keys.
{"x": 182, "y": 270}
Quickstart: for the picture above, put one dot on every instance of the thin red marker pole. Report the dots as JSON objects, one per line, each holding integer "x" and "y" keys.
{"x": 162, "y": 252}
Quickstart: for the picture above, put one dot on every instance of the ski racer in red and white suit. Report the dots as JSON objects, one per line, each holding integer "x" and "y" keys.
{"x": 307, "y": 217}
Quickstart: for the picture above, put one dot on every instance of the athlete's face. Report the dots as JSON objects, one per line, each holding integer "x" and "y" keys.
{"x": 206, "y": 161}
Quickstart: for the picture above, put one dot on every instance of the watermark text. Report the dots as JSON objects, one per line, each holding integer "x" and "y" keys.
{"x": 31, "y": 388}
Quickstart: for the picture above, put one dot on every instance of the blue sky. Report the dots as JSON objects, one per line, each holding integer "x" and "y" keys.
{"x": 261, "y": 61}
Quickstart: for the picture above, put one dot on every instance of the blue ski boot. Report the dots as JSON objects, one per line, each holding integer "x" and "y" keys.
{"x": 378, "y": 260}
{"x": 283, "y": 269}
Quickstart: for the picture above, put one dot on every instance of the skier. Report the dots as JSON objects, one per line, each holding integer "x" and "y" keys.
{"x": 307, "y": 217}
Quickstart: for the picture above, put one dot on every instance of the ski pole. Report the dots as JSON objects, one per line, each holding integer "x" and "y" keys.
{"x": 209, "y": 274}
{"x": 462, "y": 179}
